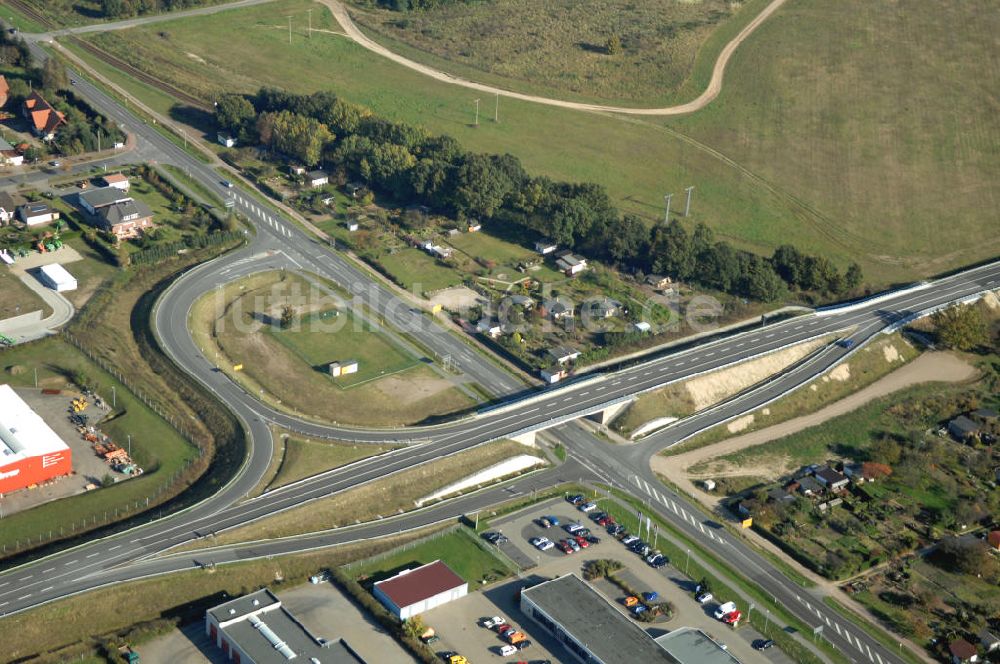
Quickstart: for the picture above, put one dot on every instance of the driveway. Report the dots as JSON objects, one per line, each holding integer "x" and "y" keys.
{"x": 28, "y": 328}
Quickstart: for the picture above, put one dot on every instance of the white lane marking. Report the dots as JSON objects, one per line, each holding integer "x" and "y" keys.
{"x": 6, "y": 583}
{"x": 5, "y": 604}
{"x": 768, "y": 336}
{"x": 702, "y": 528}
{"x": 837, "y": 625}
{"x": 797, "y": 327}
{"x": 71, "y": 562}
{"x": 879, "y": 658}
{"x": 869, "y": 653}
{"x": 645, "y": 486}
{"x": 92, "y": 555}
{"x": 116, "y": 546}
{"x": 24, "y": 597}
{"x": 45, "y": 590}
{"x": 827, "y": 621}
{"x": 46, "y": 571}
{"x": 27, "y": 576}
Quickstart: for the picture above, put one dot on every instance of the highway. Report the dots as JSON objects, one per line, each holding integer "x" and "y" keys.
{"x": 277, "y": 242}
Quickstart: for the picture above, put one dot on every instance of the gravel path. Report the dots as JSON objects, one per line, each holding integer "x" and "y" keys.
{"x": 710, "y": 93}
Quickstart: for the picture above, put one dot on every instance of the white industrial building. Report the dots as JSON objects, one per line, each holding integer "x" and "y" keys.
{"x": 56, "y": 277}
{"x": 257, "y": 629}
{"x": 412, "y": 592}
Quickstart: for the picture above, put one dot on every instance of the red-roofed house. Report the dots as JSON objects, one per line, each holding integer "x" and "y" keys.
{"x": 4, "y": 91}
{"x": 415, "y": 591}
{"x": 963, "y": 652}
{"x": 994, "y": 539}
{"x": 44, "y": 119}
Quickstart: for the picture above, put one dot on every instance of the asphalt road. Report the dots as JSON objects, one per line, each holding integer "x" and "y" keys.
{"x": 277, "y": 243}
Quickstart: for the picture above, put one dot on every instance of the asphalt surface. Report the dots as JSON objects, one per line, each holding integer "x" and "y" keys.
{"x": 279, "y": 243}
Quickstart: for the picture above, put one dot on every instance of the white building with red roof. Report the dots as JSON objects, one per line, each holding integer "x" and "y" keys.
{"x": 414, "y": 591}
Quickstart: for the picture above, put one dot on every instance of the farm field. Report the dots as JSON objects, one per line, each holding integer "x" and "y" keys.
{"x": 288, "y": 367}
{"x": 896, "y": 152}
{"x": 558, "y": 48}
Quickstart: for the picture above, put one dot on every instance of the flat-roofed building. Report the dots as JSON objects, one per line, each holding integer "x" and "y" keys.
{"x": 693, "y": 646}
{"x": 257, "y": 629}
{"x": 30, "y": 451}
{"x": 415, "y": 591}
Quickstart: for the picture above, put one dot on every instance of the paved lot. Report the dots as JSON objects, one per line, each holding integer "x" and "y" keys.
{"x": 87, "y": 466}
{"x": 471, "y": 640}
{"x": 324, "y": 611}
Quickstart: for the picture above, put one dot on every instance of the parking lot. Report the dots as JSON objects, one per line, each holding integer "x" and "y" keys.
{"x": 457, "y": 622}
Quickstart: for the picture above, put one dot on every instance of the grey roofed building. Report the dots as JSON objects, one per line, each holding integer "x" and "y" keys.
{"x": 563, "y": 354}
{"x": 588, "y": 625}
{"x": 693, "y": 646}
{"x": 963, "y": 428}
{"x": 94, "y": 199}
{"x": 985, "y": 414}
{"x": 123, "y": 211}
{"x": 256, "y": 629}
{"x": 809, "y": 486}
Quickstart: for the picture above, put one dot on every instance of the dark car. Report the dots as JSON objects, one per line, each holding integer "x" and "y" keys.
{"x": 846, "y": 343}
{"x": 762, "y": 644}
{"x": 576, "y": 499}
{"x": 495, "y": 538}
{"x": 523, "y": 645}
{"x": 543, "y": 522}
{"x": 593, "y": 539}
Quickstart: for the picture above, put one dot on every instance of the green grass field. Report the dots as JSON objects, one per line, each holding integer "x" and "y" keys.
{"x": 16, "y": 298}
{"x": 157, "y": 447}
{"x": 303, "y": 458}
{"x": 557, "y": 48}
{"x": 287, "y": 367}
{"x": 457, "y": 548}
{"x": 319, "y": 340}
{"x": 418, "y": 272}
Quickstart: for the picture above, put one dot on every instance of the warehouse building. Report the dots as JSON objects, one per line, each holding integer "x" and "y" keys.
{"x": 257, "y": 629}
{"x": 412, "y": 592}
{"x": 597, "y": 633}
{"x": 57, "y": 278}
{"x": 30, "y": 451}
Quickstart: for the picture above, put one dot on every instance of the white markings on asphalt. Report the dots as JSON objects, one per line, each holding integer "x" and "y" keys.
{"x": 768, "y": 336}
{"x": 797, "y": 327}
{"x": 24, "y": 597}
{"x": 46, "y": 571}
{"x": 45, "y": 590}
{"x": 702, "y": 528}
{"x": 879, "y": 658}
{"x": 869, "y": 653}
{"x": 4, "y": 604}
{"x": 27, "y": 576}
{"x": 6, "y": 583}
{"x": 71, "y": 562}
{"x": 116, "y": 546}
{"x": 837, "y": 625}
{"x": 92, "y": 555}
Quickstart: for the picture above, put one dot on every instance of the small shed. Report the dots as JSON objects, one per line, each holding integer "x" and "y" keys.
{"x": 963, "y": 429}
{"x": 338, "y": 369}
{"x": 643, "y": 326}
{"x": 57, "y": 278}
{"x": 317, "y": 178}
{"x": 225, "y": 138}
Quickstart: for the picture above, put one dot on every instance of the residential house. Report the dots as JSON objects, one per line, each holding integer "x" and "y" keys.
{"x": 985, "y": 415}
{"x": 489, "y": 328}
{"x": 522, "y": 301}
{"x": 34, "y": 214}
{"x": 4, "y": 91}
{"x": 558, "y": 310}
{"x": 95, "y": 199}
{"x": 553, "y": 374}
{"x": 658, "y": 281}
{"x": 317, "y": 178}
{"x": 962, "y": 651}
{"x": 10, "y": 156}
{"x": 780, "y": 496}
{"x": 643, "y": 327}
{"x": 831, "y": 479}
{"x": 988, "y": 640}
{"x": 571, "y": 265}
{"x": 545, "y": 247}
{"x": 809, "y": 486}
{"x": 225, "y": 138}
{"x": 116, "y": 180}
{"x": 437, "y": 250}
{"x": 563, "y": 354}
{"x": 963, "y": 429}
{"x": 605, "y": 308}
{"x": 43, "y": 118}
{"x": 297, "y": 169}
{"x": 8, "y": 208}
{"x": 125, "y": 219}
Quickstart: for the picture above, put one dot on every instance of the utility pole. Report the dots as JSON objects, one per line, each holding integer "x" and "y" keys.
{"x": 496, "y": 110}
{"x": 289, "y": 29}
{"x": 477, "y": 112}
{"x": 666, "y": 215}
{"x": 309, "y": 13}
{"x": 114, "y": 398}
{"x": 129, "y": 446}
{"x": 687, "y": 206}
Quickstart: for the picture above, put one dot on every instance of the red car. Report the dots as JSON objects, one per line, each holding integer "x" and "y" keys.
{"x": 564, "y": 547}
{"x": 731, "y": 618}
{"x": 582, "y": 542}
{"x": 501, "y": 628}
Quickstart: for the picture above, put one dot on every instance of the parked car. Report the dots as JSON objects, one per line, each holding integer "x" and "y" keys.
{"x": 576, "y": 499}
{"x": 572, "y": 544}
{"x": 731, "y": 617}
{"x": 652, "y": 556}
{"x": 564, "y": 547}
{"x": 587, "y": 507}
{"x": 501, "y": 628}
{"x": 651, "y": 596}
{"x": 582, "y": 542}
{"x": 615, "y": 529}
{"x": 703, "y": 598}
{"x": 553, "y": 520}
{"x": 657, "y": 561}
{"x": 763, "y": 644}
{"x": 491, "y": 622}
{"x": 495, "y": 538}
{"x": 724, "y": 610}
{"x": 638, "y": 608}
{"x": 430, "y": 638}
{"x": 572, "y": 528}
{"x": 319, "y": 578}
{"x": 508, "y": 632}
{"x": 524, "y": 645}
{"x": 593, "y": 539}
{"x": 597, "y": 516}
{"x": 543, "y": 522}
{"x": 541, "y": 543}
{"x": 507, "y": 650}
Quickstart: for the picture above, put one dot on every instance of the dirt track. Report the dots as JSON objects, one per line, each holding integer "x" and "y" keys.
{"x": 710, "y": 93}
{"x": 929, "y": 367}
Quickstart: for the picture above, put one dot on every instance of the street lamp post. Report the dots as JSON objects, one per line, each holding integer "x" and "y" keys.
{"x": 688, "y": 562}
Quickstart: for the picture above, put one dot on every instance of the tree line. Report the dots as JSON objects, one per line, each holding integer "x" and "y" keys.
{"x": 127, "y": 8}
{"x": 412, "y": 166}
